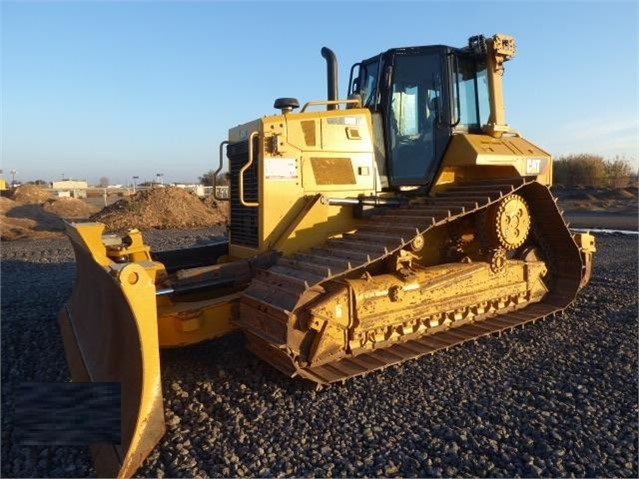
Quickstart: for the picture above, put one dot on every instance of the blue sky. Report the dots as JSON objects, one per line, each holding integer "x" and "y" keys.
{"x": 122, "y": 88}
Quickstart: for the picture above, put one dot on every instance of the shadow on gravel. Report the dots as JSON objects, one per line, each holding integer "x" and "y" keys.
{"x": 224, "y": 359}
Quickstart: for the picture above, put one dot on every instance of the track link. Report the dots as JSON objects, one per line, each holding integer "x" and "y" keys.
{"x": 269, "y": 304}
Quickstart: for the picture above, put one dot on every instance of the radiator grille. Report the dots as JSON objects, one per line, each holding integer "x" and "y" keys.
{"x": 244, "y": 229}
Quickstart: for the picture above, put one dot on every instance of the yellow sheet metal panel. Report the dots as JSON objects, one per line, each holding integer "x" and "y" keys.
{"x": 339, "y": 174}
{"x": 514, "y": 151}
{"x": 310, "y": 131}
{"x": 333, "y": 171}
{"x": 305, "y": 154}
{"x": 88, "y": 236}
{"x": 326, "y": 130}
{"x": 314, "y": 226}
{"x": 191, "y": 322}
{"x": 321, "y": 139}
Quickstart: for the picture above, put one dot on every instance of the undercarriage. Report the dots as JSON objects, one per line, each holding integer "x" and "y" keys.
{"x": 477, "y": 259}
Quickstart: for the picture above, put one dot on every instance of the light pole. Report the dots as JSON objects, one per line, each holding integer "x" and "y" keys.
{"x": 13, "y": 177}
{"x": 135, "y": 178}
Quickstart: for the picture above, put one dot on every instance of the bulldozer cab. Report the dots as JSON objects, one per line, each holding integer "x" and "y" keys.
{"x": 422, "y": 96}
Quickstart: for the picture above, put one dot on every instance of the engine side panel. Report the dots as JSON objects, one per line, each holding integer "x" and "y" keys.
{"x": 294, "y": 158}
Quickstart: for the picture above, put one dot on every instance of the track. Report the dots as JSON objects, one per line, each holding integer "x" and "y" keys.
{"x": 269, "y": 305}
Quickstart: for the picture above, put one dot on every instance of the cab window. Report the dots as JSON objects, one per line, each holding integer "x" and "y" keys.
{"x": 471, "y": 94}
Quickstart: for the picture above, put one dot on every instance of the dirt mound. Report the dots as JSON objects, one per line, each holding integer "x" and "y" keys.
{"x": 29, "y": 221}
{"x": 70, "y": 208}
{"x": 224, "y": 207}
{"x": 160, "y": 208}
{"x": 30, "y": 194}
{"x": 32, "y": 213}
{"x": 25, "y": 228}
{"x": 6, "y": 204}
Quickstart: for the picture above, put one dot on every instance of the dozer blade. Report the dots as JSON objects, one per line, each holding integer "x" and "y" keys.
{"x": 109, "y": 328}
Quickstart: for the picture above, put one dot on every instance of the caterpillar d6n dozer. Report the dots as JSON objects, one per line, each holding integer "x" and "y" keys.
{"x": 363, "y": 232}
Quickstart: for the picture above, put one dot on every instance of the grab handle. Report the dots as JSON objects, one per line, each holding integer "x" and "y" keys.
{"x": 252, "y": 204}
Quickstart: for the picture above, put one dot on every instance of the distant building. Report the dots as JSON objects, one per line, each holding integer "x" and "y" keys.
{"x": 70, "y": 188}
{"x": 197, "y": 189}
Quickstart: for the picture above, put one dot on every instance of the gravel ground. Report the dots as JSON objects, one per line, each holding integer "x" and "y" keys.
{"x": 558, "y": 398}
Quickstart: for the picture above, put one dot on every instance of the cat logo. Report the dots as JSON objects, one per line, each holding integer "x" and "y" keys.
{"x": 534, "y": 166}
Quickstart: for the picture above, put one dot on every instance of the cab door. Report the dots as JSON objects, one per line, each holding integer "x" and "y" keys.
{"x": 416, "y": 130}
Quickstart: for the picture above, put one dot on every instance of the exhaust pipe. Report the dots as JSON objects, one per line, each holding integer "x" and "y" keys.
{"x": 331, "y": 76}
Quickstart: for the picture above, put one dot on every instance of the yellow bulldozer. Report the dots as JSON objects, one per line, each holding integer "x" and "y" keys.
{"x": 366, "y": 231}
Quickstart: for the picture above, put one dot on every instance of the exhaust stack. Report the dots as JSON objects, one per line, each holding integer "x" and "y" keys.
{"x": 331, "y": 76}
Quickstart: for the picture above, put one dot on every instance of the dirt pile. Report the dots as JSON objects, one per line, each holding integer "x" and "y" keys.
{"x": 28, "y": 221}
{"x": 23, "y": 216}
{"x": 223, "y": 207}
{"x": 160, "y": 208}
{"x": 70, "y": 208}
{"x": 30, "y": 194}
{"x": 6, "y": 204}
{"x": 33, "y": 214}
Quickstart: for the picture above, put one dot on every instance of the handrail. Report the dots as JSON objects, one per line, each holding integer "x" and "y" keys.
{"x": 353, "y": 101}
{"x": 251, "y": 204}
{"x": 215, "y": 173}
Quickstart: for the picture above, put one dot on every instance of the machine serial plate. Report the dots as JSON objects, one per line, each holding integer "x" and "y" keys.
{"x": 280, "y": 168}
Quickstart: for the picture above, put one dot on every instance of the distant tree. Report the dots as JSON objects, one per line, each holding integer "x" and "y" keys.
{"x": 207, "y": 178}
{"x": 39, "y": 183}
{"x": 593, "y": 171}
{"x": 104, "y": 182}
{"x": 222, "y": 179}
{"x": 580, "y": 170}
{"x": 619, "y": 172}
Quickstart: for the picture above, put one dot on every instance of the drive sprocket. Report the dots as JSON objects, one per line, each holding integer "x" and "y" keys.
{"x": 508, "y": 222}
